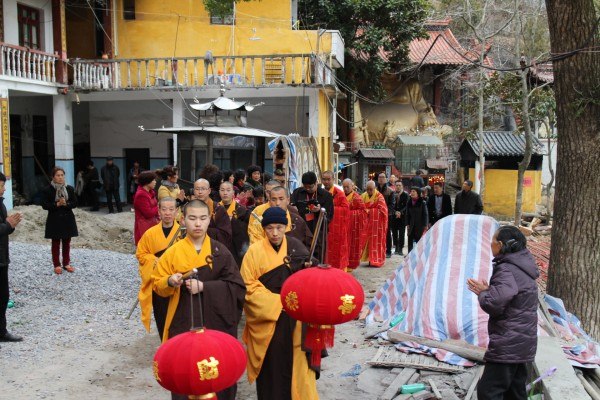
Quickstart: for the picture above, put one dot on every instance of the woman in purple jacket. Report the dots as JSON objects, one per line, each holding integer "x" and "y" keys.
{"x": 511, "y": 300}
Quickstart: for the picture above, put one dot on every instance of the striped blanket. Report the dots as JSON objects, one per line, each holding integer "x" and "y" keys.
{"x": 430, "y": 289}
{"x": 430, "y": 286}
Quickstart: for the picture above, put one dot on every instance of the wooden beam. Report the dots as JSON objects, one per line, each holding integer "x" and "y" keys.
{"x": 434, "y": 389}
{"x": 460, "y": 348}
{"x": 397, "y": 383}
{"x": 474, "y": 383}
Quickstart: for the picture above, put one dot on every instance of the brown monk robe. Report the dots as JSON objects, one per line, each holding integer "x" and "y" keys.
{"x": 239, "y": 216}
{"x": 220, "y": 225}
{"x": 218, "y": 283}
{"x": 276, "y": 360}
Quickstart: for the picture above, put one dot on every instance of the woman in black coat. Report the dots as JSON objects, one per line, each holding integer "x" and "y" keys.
{"x": 60, "y": 200}
{"x": 511, "y": 300}
{"x": 417, "y": 218}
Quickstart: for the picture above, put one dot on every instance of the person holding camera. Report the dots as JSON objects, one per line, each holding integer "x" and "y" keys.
{"x": 309, "y": 199}
{"x": 59, "y": 200}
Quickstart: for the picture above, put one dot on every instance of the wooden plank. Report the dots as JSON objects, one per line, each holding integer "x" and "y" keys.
{"x": 400, "y": 380}
{"x": 423, "y": 395}
{"x": 377, "y": 355}
{"x": 434, "y": 389}
{"x": 474, "y": 383}
{"x": 588, "y": 388}
{"x": 376, "y": 329}
{"x": 414, "y": 379}
{"x": 457, "y": 347}
{"x": 390, "y": 357}
{"x": 563, "y": 384}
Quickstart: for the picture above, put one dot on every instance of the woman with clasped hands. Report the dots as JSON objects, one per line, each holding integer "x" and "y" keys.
{"x": 511, "y": 300}
{"x": 59, "y": 200}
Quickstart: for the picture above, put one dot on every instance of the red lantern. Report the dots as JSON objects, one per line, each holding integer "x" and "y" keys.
{"x": 199, "y": 363}
{"x": 321, "y": 297}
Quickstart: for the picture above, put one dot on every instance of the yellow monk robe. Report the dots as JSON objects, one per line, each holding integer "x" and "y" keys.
{"x": 263, "y": 308}
{"x": 223, "y": 293}
{"x": 150, "y": 247}
{"x": 255, "y": 229}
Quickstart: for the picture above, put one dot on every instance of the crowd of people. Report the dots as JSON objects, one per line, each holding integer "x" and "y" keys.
{"x": 237, "y": 235}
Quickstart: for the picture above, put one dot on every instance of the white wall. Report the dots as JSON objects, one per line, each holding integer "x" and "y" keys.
{"x": 11, "y": 27}
{"x": 114, "y": 126}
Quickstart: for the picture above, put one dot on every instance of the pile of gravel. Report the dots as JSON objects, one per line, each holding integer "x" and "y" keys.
{"x": 86, "y": 308}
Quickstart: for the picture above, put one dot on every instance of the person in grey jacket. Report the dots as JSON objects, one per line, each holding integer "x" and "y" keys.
{"x": 467, "y": 201}
{"x": 511, "y": 300}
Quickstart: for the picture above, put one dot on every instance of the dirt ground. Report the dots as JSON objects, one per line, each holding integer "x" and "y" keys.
{"x": 123, "y": 370}
{"x": 97, "y": 230}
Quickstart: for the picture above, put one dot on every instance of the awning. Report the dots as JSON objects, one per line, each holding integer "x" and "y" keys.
{"x": 437, "y": 164}
{"x": 227, "y": 130}
{"x": 223, "y": 103}
{"x": 420, "y": 140}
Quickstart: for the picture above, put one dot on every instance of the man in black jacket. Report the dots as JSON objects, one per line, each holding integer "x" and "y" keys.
{"x": 7, "y": 226}
{"x": 110, "y": 180}
{"x": 467, "y": 201}
{"x": 416, "y": 217}
{"x": 91, "y": 185}
{"x": 389, "y": 196}
{"x": 398, "y": 220}
{"x": 439, "y": 204}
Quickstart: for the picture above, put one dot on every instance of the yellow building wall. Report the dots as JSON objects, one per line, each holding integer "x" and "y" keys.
{"x": 501, "y": 191}
{"x": 166, "y": 30}
{"x": 182, "y": 28}
{"x": 323, "y": 137}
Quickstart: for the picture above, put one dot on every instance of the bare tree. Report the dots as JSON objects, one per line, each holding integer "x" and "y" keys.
{"x": 483, "y": 31}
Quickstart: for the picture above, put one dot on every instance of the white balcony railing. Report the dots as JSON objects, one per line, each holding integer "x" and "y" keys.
{"x": 21, "y": 62}
{"x": 184, "y": 72}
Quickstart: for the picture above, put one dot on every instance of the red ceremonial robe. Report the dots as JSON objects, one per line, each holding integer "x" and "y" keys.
{"x": 357, "y": 234}
{"x": 337, "y": 236}
{"x": 377, "y": 224}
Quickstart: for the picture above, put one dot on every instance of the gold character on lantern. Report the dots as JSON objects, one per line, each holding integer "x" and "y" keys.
{"x": 291, "y": 300}
{"x": 208, "y": 369}
{"x": 155, "y": 371}
{"x": 347, "y": 304}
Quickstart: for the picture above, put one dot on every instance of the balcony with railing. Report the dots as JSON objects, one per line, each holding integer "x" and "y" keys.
{"x": 191, "y": 72}
{"x": 25, "y": 63}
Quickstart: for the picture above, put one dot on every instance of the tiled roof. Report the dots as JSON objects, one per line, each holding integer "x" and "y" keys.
{"x": 386, "y": 154}
{"x": 503, "y": 143}
{"x": 425, "y": 140}
{"x": 437, "y": 164}
{"x": 446, "y": 50}
{"x": 543, "y": 72}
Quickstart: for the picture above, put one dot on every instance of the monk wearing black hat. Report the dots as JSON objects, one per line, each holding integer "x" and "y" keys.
{"x": 276, "y": 360}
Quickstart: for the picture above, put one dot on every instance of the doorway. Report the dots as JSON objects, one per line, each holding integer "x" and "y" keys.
{"x": 142, "y": 156}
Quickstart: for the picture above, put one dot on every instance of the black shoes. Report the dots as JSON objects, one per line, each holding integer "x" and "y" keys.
{"x": 9, "y": 337}
{"x": 388, "y": 255}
